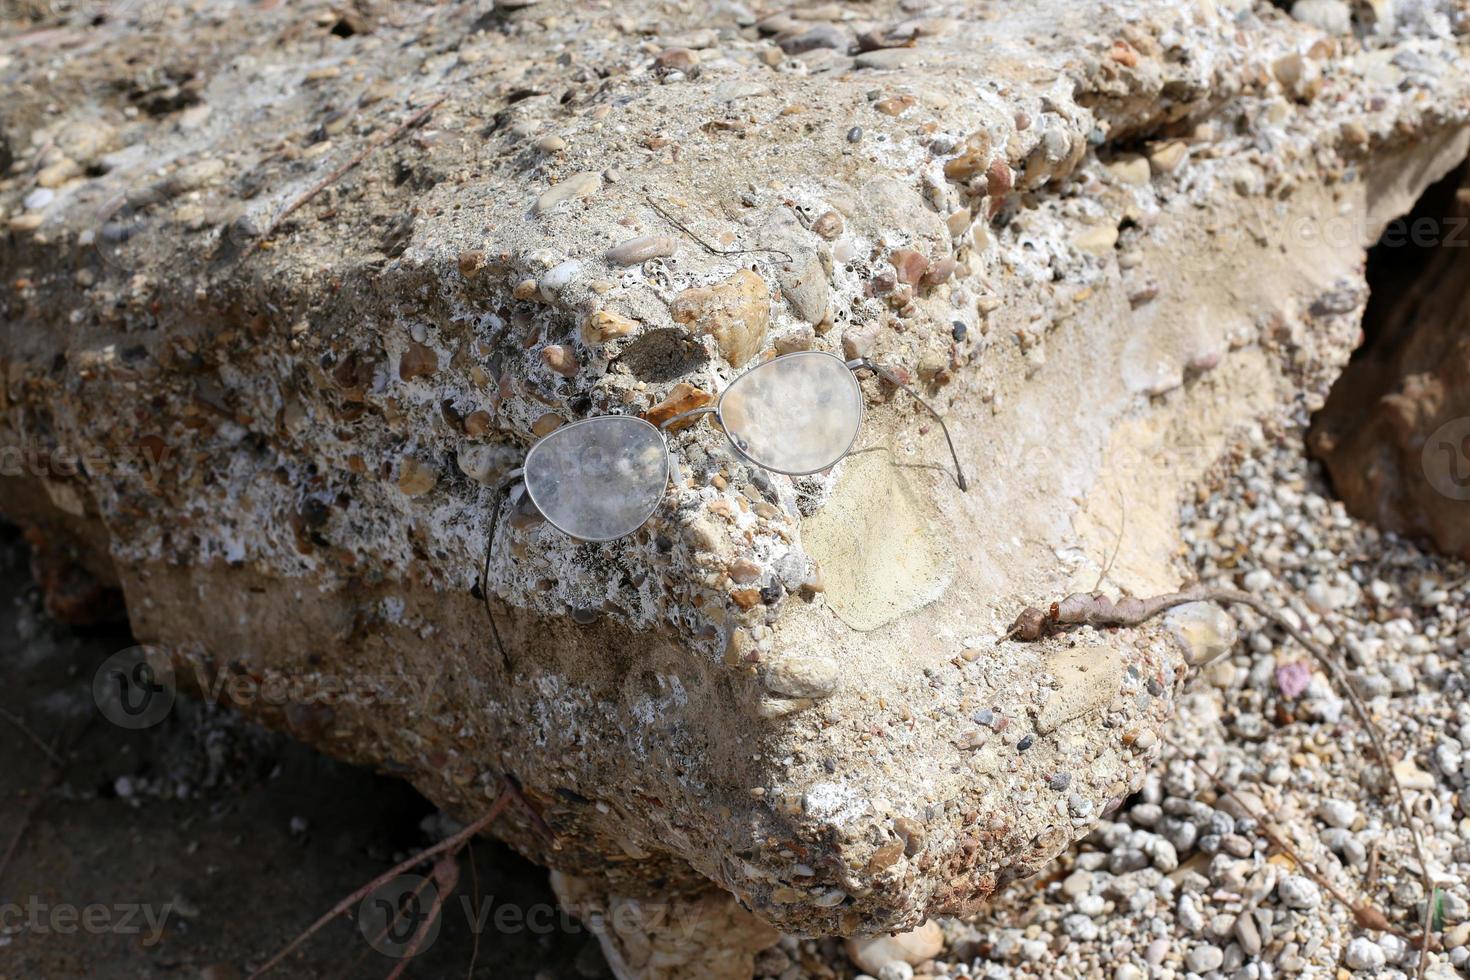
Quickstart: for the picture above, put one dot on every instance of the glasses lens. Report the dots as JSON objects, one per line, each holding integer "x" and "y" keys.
{"x": 600, "y": 478}
{"x": 795, "y": 414}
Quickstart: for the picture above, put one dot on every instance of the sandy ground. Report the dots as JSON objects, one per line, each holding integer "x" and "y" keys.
{"x": 199, "y": 846}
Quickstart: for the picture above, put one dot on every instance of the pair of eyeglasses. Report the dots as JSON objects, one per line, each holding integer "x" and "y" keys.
{"x": 796, "y": 415}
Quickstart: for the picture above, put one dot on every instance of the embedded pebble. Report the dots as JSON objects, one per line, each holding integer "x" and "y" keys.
{"x": 604, "y": 325}
{"x": 418, "y": 361}
{"x": 576, "y": 187}
{"x": 558, "y": 279}
{"x": 636, "y": 251}
{"x": 828, "y": 225}
{"x": 560, "y": 359}
{"x": 734, "y": 312}
{"x": 802, "y": 676}
{"x": 807, "y": 291}
{"x": 909, "y": 265}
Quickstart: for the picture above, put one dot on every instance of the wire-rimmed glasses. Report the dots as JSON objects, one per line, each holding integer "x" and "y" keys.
{"x": 796, "y": 414}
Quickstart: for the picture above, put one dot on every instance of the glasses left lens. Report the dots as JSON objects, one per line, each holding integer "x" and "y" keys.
{"x": 600, "y": 478}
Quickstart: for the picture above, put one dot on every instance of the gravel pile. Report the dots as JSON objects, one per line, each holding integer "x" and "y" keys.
{"x": 1183, "y": 882}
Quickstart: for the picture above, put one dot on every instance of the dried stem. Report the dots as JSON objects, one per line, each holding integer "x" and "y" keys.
{"x": 447, "y": 844}
{"x": 24, "y": 730}
{"x": 1100, "y": 612}
{"x": 704, "y": 244}
{"x": 446, "y": 876}
{"x": 337, "y": 174}
{"x": 449, "y": 847}
{"x": 1365, "y": 914}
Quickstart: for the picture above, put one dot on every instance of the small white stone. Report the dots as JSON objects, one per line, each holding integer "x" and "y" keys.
{"x": 1077, "y": 883}
{"x": 1203, "y": 959}
{"x": 1337, "y": 813}
{"x": 1298, "y": 892}
{"x": 1203, "y": 631}
{"x": 558, "y": 279}
{"x": 1364, "y": 954}
{"x": 872, "y": 953}
{"x": 1332, "y": 16}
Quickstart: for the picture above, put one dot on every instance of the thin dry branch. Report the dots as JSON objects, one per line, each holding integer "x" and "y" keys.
{"x": 449, "y": 847}
{"x": 344, "y": 906}
{"x": 1365, "y": 914}
{"x": 446, "y": 877}
{"x": 337, "y": 174}
{"x": 704, "y": 244}
{"x": 20, "y": 724}
{"x": 1101, "y": 612}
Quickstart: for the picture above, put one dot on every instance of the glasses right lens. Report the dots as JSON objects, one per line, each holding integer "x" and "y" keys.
{"x": 795, "y": 414}
{"x": 600, "y": 478}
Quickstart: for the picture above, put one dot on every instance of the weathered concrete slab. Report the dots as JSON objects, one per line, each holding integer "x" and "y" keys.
{"x": 1099, "y": 236}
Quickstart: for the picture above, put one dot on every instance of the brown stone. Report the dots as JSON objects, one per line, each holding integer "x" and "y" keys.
{"x": 683, "y": 398}
{"x": 417, "y": 362}
{"x": 734, "y": 312}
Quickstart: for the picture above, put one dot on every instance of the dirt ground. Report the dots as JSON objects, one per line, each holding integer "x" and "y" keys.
{"x": 200, "y": 845}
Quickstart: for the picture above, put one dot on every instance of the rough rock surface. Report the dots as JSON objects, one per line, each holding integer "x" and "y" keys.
{"x": 1395, "y": 434}
{"x": 1100, "y": 236}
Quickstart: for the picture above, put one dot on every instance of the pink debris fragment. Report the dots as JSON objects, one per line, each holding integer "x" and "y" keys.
{"x": 1292, "y": 679}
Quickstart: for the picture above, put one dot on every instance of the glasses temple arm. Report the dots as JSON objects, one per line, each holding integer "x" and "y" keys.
{"x": 863, "y": 363}
{"x": 501, "y": 492}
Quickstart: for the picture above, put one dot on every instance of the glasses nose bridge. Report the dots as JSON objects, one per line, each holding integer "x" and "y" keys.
{"x": 669, "y": 423}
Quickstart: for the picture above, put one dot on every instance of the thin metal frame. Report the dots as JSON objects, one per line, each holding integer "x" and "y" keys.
{"x": 671, "y": 465}
{"x": 857, "y": 390}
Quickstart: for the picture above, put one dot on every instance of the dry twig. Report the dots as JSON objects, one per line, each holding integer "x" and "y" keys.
{"x": 704, "y": 244}
{"x": 1101, "y": 612}
{"x": 1365, "y": 914}
{"x": 337, "y": 174}
{"x": 446, "y": 876}
{"x": 449, "y": 847}
{"x": 24, "y": 730}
